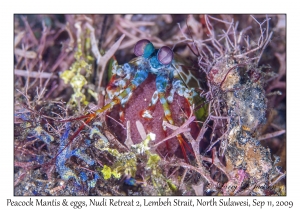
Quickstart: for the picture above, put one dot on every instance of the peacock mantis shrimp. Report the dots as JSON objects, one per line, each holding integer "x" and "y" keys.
{"x": 129, "y": 76}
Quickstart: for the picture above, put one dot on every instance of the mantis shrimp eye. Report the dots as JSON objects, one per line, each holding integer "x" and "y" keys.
{"x": 143, "y": 48}
{"x": 165, "y": 55}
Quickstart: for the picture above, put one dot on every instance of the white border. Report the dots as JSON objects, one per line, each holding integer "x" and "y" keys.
{"x": 153, "y": 6}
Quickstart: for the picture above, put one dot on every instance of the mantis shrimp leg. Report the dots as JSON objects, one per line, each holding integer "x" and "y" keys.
{"x": 161, "y": 85}
{"x": 139, "y": 78}
{"x": 147, "y": 113}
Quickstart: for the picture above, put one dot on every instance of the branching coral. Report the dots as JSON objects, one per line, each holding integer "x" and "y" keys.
{"x": 65, "y": 152}
{"x": 128, "y": 163}
{"x": 238, "y": 104}
{"x": 81, "y": 66}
